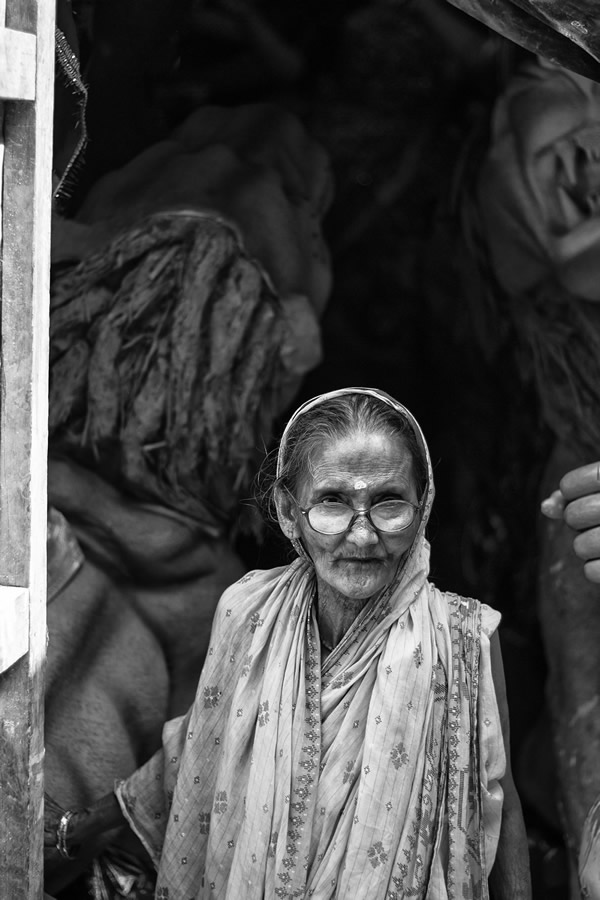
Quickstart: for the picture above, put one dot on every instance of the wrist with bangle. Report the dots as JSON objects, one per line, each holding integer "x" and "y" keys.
{"x": 76, "y": 829}
{"x": 62, "y": 836}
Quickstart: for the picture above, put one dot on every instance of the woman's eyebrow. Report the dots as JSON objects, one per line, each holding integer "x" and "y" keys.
{"x": 393, "y": 484}
{"x": 332, "y": 486}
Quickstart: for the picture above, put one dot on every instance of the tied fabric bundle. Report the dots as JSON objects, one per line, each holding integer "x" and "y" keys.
{"x": 184, "y": 308}
{"x": 537, "y": 210}
{"x": 566, "y": 33}
{"x": 166, "y": 363}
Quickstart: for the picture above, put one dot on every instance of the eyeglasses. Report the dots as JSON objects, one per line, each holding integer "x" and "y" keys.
{"x": 334, "y": 517}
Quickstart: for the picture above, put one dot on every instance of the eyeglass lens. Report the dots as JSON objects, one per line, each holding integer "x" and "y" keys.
{"x": 333, "y": 518}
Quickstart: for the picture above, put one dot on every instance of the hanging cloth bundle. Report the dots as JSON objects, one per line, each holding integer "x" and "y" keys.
{"x": 166, "y": 366}
{"x": 566, "y": 33}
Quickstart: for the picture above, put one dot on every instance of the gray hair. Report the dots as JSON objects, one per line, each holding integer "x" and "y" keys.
{"x": 335, "y": 418}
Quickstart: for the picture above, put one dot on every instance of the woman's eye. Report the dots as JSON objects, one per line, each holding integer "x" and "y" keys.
{"x": 330, "y": 498}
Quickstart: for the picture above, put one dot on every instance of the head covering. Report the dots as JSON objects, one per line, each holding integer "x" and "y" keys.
{"x": 345, "y": 392}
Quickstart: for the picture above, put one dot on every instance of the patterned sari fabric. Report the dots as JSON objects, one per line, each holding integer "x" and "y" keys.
{"x": 370, "y": 774}
{"x": 589, "y": 854}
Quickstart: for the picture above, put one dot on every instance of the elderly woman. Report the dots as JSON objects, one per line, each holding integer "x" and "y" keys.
{"x": 349, "y": 737}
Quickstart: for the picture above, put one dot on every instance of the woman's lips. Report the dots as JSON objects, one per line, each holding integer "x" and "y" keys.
{"x": 360, "y": 559}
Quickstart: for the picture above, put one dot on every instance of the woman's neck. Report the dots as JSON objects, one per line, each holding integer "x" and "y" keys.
{"x": 335, "y": 613}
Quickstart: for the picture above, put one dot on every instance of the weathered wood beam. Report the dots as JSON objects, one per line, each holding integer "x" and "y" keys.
{"x": 14, "y": 625}
{"x": 17, "y": 65}
{"x": 24, "y": 314}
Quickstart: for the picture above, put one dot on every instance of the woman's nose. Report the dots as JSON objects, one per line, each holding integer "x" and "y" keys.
{"x": 362, "y": 532}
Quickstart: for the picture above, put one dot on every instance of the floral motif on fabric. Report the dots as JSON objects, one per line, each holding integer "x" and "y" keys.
{"x": 255, "y": 622}
{"x": 263, "y": 713}
{"x": 211, "y": 696}
{"x": 246, "y": 665}
{"x": 341, "y": 681}
{"x": 439, "y": 683}
{"x": 273, "y": 843}
{"x": 220, "y": 805}
{"x": 246, "y": 578}
{"x": 349, "y": 771}
{"x": 289, "y": 894}
{"x": 204, "y": 821}
{"x": 377, "y": 854}
{"x": 418, "y": 655}
{"x": 399, "y": 755}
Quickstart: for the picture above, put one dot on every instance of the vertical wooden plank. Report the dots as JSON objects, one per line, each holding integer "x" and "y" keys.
{"x": 17, "y": 64}
{"x": 26, "y": 200}
{"x": 1, "y": 158}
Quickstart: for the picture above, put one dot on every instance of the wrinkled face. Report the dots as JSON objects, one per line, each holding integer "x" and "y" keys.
{"x": 361, "y": 470}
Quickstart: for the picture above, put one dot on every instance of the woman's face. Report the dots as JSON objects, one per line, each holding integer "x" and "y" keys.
{"x": 361, "y": 470}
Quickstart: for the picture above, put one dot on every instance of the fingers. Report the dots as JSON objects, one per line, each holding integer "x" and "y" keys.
{"x": 581, "y": 481}
{"x": 578, "y": 502}
{"x": 553, "y": 506}
{"x": 583, "y": 512}
{"x": 587, "y": 544}
{"x": 592, "y": 571}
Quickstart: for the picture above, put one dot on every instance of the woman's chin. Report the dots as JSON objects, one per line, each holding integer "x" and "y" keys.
{"x": 361, "y": 587}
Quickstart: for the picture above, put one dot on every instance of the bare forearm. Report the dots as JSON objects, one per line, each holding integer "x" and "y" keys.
{"x": 510, "y": 877}
{"x": 103, "y": 815}
{"x": 81, "y": 830}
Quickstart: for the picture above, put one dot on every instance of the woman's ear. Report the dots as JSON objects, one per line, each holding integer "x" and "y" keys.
{"x": 287, "y": 514}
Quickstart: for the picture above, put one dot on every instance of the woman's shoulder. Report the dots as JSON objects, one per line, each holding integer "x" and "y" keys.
{"x": 250, "y": 591}
{"x": 469, "y": 608}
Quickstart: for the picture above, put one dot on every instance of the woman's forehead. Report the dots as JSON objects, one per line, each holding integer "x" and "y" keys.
{"x": 359, "y": 458}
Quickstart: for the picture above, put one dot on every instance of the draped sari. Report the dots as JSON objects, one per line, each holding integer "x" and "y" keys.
{"x": 372, "y": 773}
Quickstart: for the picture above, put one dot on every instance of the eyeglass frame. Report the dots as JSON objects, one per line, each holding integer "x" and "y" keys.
{"x": 366, "y": 512}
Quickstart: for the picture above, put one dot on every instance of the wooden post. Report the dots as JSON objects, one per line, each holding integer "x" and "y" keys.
{"x": 26, "y": 97}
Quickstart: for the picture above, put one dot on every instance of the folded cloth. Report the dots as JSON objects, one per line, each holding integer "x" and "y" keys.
{"x": 64, "y": 554}
{"x": 117, "y": 874}
{"x": 566, "y": 33}
{"x": 589, "y": 854}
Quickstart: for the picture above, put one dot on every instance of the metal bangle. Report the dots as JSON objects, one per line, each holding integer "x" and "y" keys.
{"x": 61, "y": 834}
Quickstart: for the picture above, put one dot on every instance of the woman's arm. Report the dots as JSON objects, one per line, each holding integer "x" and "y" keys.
{"x": 69, "y": 834}
{"x": 510, "y": 878}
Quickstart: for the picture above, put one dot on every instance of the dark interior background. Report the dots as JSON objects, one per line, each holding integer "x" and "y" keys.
{"x": 400, "y": 94}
